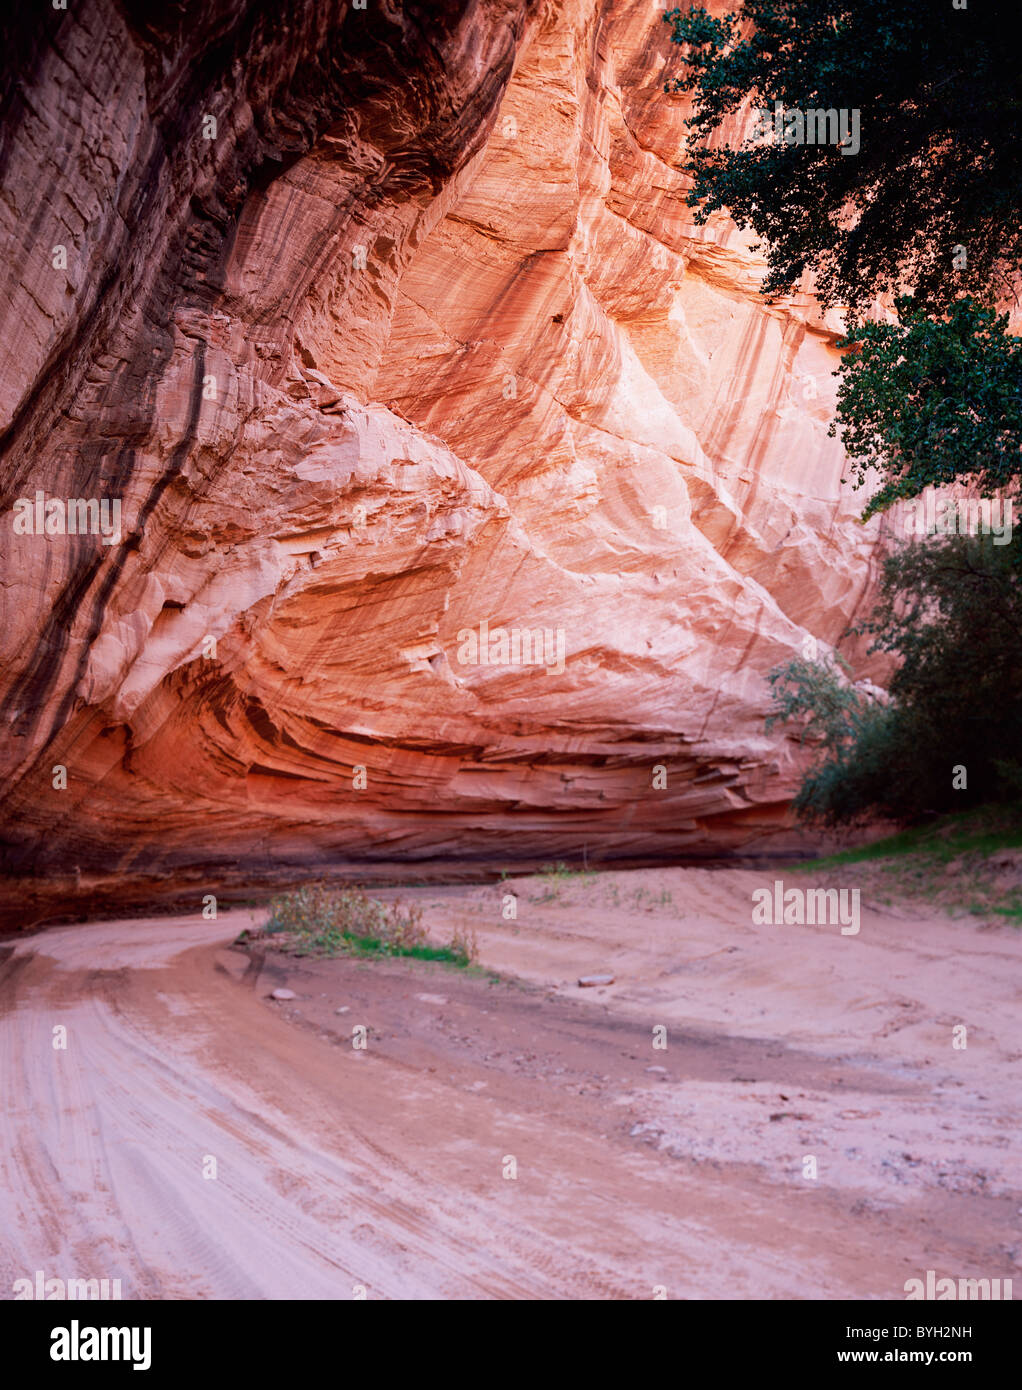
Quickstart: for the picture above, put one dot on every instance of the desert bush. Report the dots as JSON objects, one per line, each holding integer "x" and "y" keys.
{"x": 324, "y": 920}
{"x": 464, "y": 945}
{"x": 950, "y": 735}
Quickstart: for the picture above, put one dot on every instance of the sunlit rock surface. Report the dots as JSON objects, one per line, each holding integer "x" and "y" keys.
{"x": 415, "y": 370}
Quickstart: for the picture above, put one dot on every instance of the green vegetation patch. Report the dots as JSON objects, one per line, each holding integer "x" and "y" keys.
{"x": 966, "y": 863}
{"x": 318, "y": 920}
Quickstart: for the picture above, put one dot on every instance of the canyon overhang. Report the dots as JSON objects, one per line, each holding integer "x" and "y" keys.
{"x": 385, "y": 324}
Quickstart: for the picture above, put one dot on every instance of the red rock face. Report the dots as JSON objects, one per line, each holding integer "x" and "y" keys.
{"x": 468, "y": 491}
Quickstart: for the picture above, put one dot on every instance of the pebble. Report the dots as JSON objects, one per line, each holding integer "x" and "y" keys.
{"x": 345, "y": 1010}
{"x": 283, "y": 994}
{"x": 432, "y": 998}
{"x": 587, "y": 981}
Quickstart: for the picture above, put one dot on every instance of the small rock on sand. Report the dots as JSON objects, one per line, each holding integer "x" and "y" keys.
{"x": 432, "y": 998}
{"x": 283, "y": 994}
{"x": 346, "y": 1008}
{"x": 587, "y": 981}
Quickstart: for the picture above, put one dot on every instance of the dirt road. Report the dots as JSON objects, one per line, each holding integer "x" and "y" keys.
{"x": 638, "y": 1168}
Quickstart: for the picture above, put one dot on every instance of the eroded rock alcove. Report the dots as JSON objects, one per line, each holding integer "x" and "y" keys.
{"x": 417, "y": 336}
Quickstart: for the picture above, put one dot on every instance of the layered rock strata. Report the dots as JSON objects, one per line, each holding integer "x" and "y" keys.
{"x": 467, "y": 490}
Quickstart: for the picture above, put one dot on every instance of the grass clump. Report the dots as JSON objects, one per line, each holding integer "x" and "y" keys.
{"x": 561, "y": 871}
{"x": 560, "y": 875}
{"x": 981, "y": 832}
{"x": 971, "y": 862}
{"x": 318, "y": 920}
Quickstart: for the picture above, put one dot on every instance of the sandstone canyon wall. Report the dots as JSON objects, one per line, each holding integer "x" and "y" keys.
{"x": 423, "y": 337}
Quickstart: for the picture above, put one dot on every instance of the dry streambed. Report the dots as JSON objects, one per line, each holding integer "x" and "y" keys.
{"x": 504, "y": 1132}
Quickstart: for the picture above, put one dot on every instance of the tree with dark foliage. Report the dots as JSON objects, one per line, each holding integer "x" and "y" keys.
{"x": 939, "y": 96}
{"x": 951, "y": 611}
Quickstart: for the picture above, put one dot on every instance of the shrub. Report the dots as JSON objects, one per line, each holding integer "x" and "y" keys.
{"x": 465, "y": 946}
{"x": 951, "y": 610}
{"x": 322, "y": 920}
